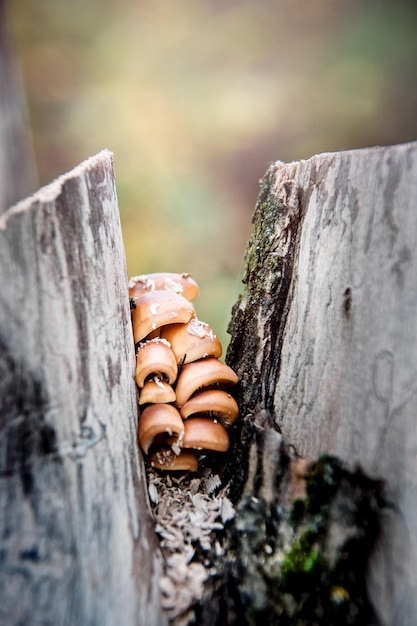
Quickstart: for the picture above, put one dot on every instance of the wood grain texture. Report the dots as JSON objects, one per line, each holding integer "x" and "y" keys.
{"x": 76, "y": 541}
{"x": 17, "y": 163}
{"x": 324, "y": 335}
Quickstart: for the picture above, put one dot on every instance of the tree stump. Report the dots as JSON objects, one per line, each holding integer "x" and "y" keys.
{"x": 324, "y": 336}
{"x": 76, "y": 541}
{"x": 324, "y": 342}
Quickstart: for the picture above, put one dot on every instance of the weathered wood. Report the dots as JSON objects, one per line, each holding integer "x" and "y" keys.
{"x": 324, "y": 336}
{"x": 332, "y": 236}
{"x": 17, "y": 166}
{"x": 76, "y": 542}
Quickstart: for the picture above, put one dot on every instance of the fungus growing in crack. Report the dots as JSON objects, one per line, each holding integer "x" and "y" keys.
{"x": 156, "y": 391}
{"x": 192, "y": 341}
{"x": 155, "y": 358}
{"x": 200, "y": 374}
{"x": 158, "y": 308}
{"x": 181, "y": 284}
{"x": 166, "y": 459}
{"x": 215, "y": 403}
{"x": 203, "y": 433}
{"x": 159, "y": 419}
{"x": 178, "y": 369}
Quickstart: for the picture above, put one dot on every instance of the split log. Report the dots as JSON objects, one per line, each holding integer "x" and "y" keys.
{"x": 323, "y": 339}
{"x": 17, "y": 165}
{"x": 77, "y": 544}
{"x": 324, "y": 336}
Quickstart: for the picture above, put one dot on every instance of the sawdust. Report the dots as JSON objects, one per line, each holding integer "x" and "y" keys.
{"x": 190, "y": 517}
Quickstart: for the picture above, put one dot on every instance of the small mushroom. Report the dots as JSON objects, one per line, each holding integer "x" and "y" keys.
{"x": 157, "y": 419}
{"x": 192, "y": 341}
{"x": 182, "y": 284}
{"x": 166, "y": 459}
{"x": 156, "y": 390}
{"x": 202, "y": 433}
{"x": 215, "y": 403}
{"x": 200, "y": 374}
{"x": 157, "y": 308}
{"x": 155, "y": 357}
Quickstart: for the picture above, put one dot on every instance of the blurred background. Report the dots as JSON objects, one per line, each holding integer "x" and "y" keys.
{"x": 197, "y": 98}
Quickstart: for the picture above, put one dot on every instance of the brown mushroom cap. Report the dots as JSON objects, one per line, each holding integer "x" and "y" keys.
{"x": 157, "y": 308}
{"x": 192, "y": 341}
{"x": 182, "y": 284}
{"x": 155, "y": 357}
{"x": 202, "y": 433}
{"x": 158, "y": 419}
{"x": 215, "y": 403}
{"x": 153, "y": 334}
{"x": 156, "y": 390}
{"x": 203, "y": 373}
{"x": 166, "y": 459}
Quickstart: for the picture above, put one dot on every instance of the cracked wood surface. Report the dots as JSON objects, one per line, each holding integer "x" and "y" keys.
{"x": 76, "y": 542}
{"x": 324, "y": 335}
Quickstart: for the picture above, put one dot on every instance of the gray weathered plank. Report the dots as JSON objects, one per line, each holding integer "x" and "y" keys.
{"x": 76, "y": 541}
{"x": 325, "y": 334}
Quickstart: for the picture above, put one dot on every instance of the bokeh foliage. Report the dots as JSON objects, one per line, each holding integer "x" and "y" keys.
{"x": 196, "y": 99}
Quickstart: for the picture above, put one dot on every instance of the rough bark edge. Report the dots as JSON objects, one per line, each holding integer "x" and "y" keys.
{"x": 269, "y": 263}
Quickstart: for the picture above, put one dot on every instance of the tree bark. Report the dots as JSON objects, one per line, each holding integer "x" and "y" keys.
{"x": 17, "y": 165}
{"x": 324, "y": 336}
{"x": 76, "y": 541}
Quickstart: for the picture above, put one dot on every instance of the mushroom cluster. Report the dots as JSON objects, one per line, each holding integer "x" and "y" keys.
{"x": 184, "y": 404}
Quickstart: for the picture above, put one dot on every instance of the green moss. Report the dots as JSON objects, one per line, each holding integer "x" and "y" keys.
{"x": 302, "y": 558}
{"x": 307, "y": 566}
